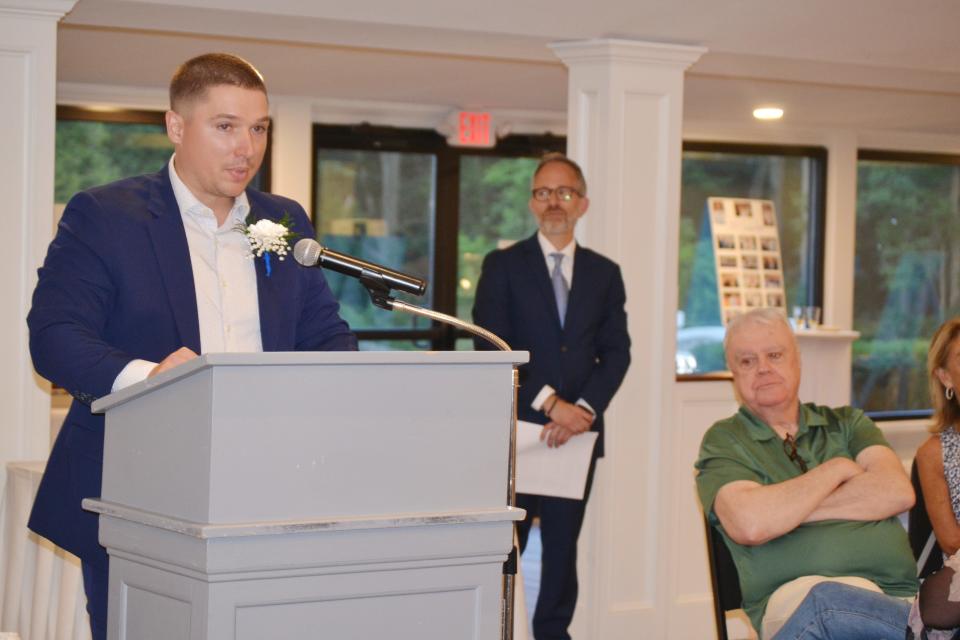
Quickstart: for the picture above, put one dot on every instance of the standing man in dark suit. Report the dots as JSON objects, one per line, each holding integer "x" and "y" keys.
{"x": 565, "y": 305}
{"x": 148, "y": 272}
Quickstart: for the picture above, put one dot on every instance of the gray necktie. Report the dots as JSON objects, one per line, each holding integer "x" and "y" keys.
{"x": 560, "y": 289}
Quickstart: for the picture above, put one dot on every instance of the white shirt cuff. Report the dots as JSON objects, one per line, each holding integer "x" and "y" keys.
{"x": 586, "y": 405}
{"x": 135, "y": 371}
{"x": 545, "y": 393}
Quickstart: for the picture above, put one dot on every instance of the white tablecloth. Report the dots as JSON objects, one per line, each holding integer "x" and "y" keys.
{"x": 41, "y": 587}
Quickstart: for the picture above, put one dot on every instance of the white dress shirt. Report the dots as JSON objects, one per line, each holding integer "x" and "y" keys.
{"x": 566, "y": 268}
{"x": 223, "y": 276}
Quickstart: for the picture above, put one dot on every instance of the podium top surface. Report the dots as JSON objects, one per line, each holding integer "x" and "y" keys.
{"x": 307, "y": 358}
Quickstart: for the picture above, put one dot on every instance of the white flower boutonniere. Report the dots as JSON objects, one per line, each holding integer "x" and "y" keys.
{"x": 267, "y": 237}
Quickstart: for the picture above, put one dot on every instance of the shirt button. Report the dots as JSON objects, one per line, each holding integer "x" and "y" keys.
{"x": 563, "y": 348}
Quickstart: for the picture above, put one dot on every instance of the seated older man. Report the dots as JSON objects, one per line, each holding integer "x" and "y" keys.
{"x": 805, "y": 494}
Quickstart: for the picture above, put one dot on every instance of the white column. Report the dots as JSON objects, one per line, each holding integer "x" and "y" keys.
{"x": 840, "y": 231}
{"x": 292, "y": 148}
{"x": 28, "y": 68}
{"x": 625, "y": 108}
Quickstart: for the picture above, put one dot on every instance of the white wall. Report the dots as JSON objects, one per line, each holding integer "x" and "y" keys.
{"x": 27, "y": 73}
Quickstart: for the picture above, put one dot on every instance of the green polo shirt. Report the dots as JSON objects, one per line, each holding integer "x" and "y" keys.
{"x": 744, "y": 448}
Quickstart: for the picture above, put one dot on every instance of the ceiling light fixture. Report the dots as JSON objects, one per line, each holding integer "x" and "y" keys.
{"x": 768, "y": 113}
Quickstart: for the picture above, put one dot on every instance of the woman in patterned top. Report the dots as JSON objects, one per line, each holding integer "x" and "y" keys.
{"x": 938, "y": 464}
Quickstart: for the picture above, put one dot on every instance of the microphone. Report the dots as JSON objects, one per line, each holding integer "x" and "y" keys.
{"x": 309, "y": 253}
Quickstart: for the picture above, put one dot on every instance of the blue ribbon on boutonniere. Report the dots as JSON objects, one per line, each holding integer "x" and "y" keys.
{"x": 266, "y": 237}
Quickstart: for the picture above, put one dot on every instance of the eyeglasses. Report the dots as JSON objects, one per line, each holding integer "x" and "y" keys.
{"x": 563, "y": 193}
{"x": 790, "y": 448}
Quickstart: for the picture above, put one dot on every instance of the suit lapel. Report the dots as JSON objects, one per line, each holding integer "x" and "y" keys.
{"x": 173, "y": 255}
{"x": 538, "y": 267}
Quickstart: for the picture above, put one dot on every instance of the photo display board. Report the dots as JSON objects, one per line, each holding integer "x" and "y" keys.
{"x": 746, "y": 245}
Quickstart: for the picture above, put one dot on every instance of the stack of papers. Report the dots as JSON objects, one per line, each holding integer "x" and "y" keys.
{"x": 559, "y": 471}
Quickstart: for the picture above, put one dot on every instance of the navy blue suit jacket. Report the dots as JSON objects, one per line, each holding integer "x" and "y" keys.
{"x": 585, "y": 358}
{"x": 116, "y": 285}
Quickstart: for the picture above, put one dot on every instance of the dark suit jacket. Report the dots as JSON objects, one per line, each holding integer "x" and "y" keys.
{"x": 116, "y": 285}
{"x": 586, "y": 358}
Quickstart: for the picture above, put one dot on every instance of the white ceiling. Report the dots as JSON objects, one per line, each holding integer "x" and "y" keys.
{"x": 868, "y": 64}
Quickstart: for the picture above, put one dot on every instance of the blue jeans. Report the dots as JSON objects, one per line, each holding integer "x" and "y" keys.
{"x": 834, "y": 611}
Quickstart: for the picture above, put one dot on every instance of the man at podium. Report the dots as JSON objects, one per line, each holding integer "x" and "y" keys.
{"x": 148, "y": 272}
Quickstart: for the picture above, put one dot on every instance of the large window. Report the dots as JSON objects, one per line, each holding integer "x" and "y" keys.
{"x": 94, "y": 147}
{"x": 379, "y": 205}
{"x": 907, "y": 278}
{"x": 793, "y": 178}
{"x": 406, "y": 199}
{"x": 97, "y": 147}
{"x": 493, "y": 212}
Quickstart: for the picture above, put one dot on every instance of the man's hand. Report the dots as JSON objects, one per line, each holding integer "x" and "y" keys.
{"x": 845, "y": 467}
{"x": 566, "y": 420}
{"x": 571, "y": 417}
{"x": 882, "y": 489}
{"x": 555, "y": 435}
{"x": 178, "y": 357}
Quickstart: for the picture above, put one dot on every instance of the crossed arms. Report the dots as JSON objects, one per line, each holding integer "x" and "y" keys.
{"x": 873, "y": 487}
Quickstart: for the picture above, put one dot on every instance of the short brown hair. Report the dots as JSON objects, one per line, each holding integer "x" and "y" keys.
{"x": 946, "y": 413}
{"x": 556, "y": 156}
{"x": 192, "y": 78}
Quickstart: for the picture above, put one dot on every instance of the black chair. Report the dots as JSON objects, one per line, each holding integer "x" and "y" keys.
{"x": 920, "y": 532}
{"x": 723, "y": 578}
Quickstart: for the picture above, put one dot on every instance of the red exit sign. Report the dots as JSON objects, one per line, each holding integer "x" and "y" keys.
{"x": 475, "y": 129}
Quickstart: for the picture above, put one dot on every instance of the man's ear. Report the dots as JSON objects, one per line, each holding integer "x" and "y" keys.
{"x": 174, "y": 126}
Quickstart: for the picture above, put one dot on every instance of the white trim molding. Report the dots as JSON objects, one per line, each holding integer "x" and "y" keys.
{"x": 28, "y": 62}
{"x": 37, "y": 9}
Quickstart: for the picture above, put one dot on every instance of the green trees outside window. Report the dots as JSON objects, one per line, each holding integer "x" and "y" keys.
{"x": 907, "y": 273}
{"x": 96, "y": 147}
{"x": 493, "y": 212}
{"x": 91, "y": 153}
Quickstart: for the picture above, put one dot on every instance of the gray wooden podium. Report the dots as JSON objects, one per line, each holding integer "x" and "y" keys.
{"x": 310, "y": 495}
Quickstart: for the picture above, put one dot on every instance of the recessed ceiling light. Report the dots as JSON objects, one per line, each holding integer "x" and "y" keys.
{"x": 768, "y": 113}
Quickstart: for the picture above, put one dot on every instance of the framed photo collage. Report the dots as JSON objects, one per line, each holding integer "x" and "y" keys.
{"x": 746, "y": 245}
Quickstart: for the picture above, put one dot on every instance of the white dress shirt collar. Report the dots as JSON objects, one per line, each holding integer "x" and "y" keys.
{"x": 566, "y": 266}
{"x": 547, "y": 247}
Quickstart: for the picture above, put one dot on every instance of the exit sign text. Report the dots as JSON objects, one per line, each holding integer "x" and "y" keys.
{"x": 475, "y": 129}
